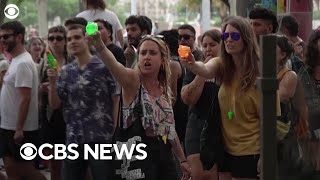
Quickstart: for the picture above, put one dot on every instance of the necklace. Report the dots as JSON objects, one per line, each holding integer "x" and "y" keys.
{"x": 230, "y": 113}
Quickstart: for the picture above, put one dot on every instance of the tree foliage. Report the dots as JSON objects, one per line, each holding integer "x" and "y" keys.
{"x": 3, "y": 4}
{"x": 62, "y": 8}
{"x": 221, "y": 6}
{"x": 28, "y": 10}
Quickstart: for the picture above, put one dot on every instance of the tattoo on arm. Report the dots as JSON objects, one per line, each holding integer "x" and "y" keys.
{"x": 192, "y": 88}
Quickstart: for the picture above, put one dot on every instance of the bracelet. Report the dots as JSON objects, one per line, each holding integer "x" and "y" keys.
{"x": 183, "y": 161}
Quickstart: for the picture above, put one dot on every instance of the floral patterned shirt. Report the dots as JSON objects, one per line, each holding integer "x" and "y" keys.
{"x": 86, "y": 97}
{"x": 156, "y": 114}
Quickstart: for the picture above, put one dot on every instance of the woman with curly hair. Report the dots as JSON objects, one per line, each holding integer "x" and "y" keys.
{"x": 147, "y": 86}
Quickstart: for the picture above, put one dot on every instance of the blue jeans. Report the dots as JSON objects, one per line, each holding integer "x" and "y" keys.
{"x": 77, "y": 169}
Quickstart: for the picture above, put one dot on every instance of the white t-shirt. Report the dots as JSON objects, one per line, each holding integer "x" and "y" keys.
{"x": 22, "y": 72}
{"x": 107, "y": 15}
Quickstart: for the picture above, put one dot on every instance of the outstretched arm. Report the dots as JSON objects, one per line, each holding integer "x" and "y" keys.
{"x": 208, "y": 70}
{"x": 126, "y": 77}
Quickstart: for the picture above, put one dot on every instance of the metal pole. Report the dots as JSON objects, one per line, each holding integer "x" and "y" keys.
{"x": 268, "y": 85}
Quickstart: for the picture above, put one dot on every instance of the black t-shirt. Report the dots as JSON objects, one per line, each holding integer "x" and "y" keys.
{"x": 118, "y": 53}
{"x": 202, "y": 106}
{"x": 180, "y": 109}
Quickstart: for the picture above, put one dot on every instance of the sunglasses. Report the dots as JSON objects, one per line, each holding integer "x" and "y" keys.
{"x": 6, "y": 36}
{"x": 234, "y": 36}
{"x": 52, "y": 38}
{"x": 184, "y": 36}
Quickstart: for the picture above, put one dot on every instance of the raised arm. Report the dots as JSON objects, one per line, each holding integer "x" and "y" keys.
{"x": 191, "y": 92}
{"x": 208, "y": 70}
{"x": 126, "y": 77}
{"x": 54, "y": 100}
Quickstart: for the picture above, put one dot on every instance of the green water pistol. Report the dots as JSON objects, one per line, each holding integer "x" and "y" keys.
{"x": 91, "y": 28}
{"x": 52, "y": 62}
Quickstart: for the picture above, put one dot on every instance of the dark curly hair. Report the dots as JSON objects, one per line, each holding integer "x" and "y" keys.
{"x": 312, "y": 53}
{"x": 171, "y": 38}
{"x": 263, "y": 13}
{"x": 286, "y": 46}
{"x": 144, "y": 23}
{"x": 290, "y": 23}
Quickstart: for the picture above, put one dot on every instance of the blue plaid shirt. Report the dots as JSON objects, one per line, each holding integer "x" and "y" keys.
{"x": 86, "y": 97}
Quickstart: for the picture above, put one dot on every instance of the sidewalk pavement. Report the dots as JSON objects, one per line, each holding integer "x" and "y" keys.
{"x": 45, "y": 172}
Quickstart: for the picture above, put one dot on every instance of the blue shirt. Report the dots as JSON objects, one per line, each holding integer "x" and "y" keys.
{"x": 86, "y": 97}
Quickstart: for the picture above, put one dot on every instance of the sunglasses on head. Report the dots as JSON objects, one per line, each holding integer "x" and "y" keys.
{"x": 6, "y": 36}
{"x": 52, "y": 38}
{"x": 234, "y": 36}
{"x": 154, "y": 36}
{"x": 184, "y": 36}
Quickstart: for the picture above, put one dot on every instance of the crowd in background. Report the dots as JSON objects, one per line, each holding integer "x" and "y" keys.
{"x": 140, "y": 83}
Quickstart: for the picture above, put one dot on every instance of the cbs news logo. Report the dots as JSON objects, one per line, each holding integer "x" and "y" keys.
{"x": 11, "y": 11}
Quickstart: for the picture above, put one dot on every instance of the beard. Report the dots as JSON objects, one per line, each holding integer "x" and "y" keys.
{"x": 10, "y": 46}
{"x": 135, "y": 41}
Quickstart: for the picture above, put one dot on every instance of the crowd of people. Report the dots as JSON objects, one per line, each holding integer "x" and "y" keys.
{"x": 104, "y": 82}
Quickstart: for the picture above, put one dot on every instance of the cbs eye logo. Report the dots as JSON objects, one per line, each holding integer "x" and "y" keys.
{"x": 11, "y": 11}
{"x": 28, "y": 151}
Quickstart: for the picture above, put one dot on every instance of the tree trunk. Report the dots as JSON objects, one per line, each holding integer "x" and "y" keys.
{"x": 42, "y": 17}
{"x": 3, "y": 4}
{"x": 223, "y": 11}
{"x": 81, "y": 6}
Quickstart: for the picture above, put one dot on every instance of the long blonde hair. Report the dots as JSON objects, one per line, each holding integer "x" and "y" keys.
{"x": 164, "y": 71}
{"x": 250, "y": 68}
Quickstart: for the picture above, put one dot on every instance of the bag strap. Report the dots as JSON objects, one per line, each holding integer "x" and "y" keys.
{"x": 213, "y": 98}
{"x": 282, "y": 72}
{"x": 120, "y": 112}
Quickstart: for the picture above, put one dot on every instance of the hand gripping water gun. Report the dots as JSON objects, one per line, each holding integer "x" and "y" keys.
{"x": 52, "y": 62}
{"x": 91, "y": 28}
{"x": 184, "y": 51}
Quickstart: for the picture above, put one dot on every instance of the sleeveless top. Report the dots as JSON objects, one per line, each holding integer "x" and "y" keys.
{"x": 286, "y": 106}
{"x": 156, "y": 114}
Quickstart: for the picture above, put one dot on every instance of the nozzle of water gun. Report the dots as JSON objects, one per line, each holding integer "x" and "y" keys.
{"x": 52, "y": 62}
{"x": 184, "y": 51}
{"x": 91, "y": 28}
